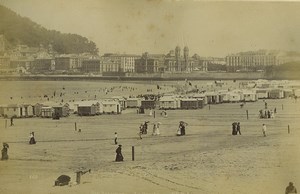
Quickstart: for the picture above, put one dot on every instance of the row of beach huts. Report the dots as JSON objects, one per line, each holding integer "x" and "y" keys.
{"x": 116, "y": 105}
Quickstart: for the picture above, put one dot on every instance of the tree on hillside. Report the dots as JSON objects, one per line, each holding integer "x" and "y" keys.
{"x": 21, "y": 30}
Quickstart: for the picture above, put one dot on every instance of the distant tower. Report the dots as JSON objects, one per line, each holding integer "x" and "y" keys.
{"x": 186, "y": 58}
{"x": 177, "y": 57}
{"x": 177, "y": 52}
{"x": 186, "y": 52}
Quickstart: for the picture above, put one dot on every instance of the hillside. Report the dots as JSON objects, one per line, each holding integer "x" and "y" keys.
{"x": 21, "y": 30}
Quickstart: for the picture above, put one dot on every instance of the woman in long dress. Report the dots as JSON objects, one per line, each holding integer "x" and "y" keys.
{"x": 32, "y": 140}
{"x": 119, "y": 156}
{"x": 157, "y": 128}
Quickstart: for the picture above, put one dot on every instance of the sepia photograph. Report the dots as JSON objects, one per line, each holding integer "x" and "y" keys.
{"x": 149, "y": 97}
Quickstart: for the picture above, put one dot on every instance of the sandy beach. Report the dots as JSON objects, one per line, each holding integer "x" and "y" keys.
{"x": 207, "y": 160}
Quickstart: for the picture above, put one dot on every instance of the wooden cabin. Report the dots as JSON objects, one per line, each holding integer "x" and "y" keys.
{"x": 262, "y": 93}
{"x": 200, "y": 103}
{"x": 276, "y": 94}
{"x": 148, "y": 104}
{"x": 111, "y": 107}
{"x": 297, "y": 92}
{"x": 250, "y": 96}
{"x": 212, "y": 97}
{"x": 61, "y": 110}
{"x": 88, "y": 108}
{"x": 233, "y": 96}
{"x": 134, "y": 102}
{"x": 188, "y": 103}
{"x": 287, "y": 93}
{"x": 122, "y": 101}
{"x": 26, "y": 110}
{"x": 11, "y": 110}
{"x": 200, "y": 96}
{"x": 169, "y": 102}
{"x": 46, "y": 112}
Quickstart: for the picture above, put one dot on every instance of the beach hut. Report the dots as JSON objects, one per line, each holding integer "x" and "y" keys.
{"x": 200, "y": 103}
{"x": 122, "y": 101}
{"x": 61, "y": 110}
{"x": 287, "y": 93}
{"x": 200, "y": 96}
{"x": 276, "y": 94}
{"x": 46, "y": 112}
{"x": 212, "y": 97}
{"x": 233, "y": 96}
{"x": 148, "y": 104}
{"x": 37, "y": 109}
{"x": 88, "y": 108}
{"x": 250, "y": 96}
{"x": 11, "y": 110}
{"x": 297, "y": 92}
{"x": 134, "y": 102}
{"x": 262, "y": 93}
{"x": 26, "y": 110}
{"x": 111, "y": 106}
{"x": 168, "y": 102}
{"x": 188, "y": 103}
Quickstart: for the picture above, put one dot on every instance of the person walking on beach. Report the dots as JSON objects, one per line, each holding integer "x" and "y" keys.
{"x": 266, "y": 105}
{"x": 238, "y": 128}
{"x": 32, "y": 140}
{"x": 12, "y": 121}
{"x": 290, "y": 189}
{"x": 141, "y": 130}
{"x": 116, "y": 138}
{"x": 4, "y": 151}
{"x": 264, "y": 130}
{"x": 181, "y": 127}
{"x": 119, "y": 156}
{"x": 154, "y": 129}
{"x": 234, "y": 128}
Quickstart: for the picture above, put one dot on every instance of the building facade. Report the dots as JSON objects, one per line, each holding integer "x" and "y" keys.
{"x": 150, "y": 63}
{"x": 68, "y": 63}
{"x": 253, "y": 60}
{"x": 126, "y": 62}
{"x": 90, "y": 66}
{"x": 174, "y": 62}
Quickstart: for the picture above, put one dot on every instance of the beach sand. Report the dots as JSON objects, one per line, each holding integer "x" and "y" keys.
{"x": 207, "y": 160}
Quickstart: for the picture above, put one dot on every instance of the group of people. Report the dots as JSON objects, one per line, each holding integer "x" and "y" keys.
{"x": 181, "y": 128}
{"x": 267, "y": 114}
{"x": 144, "y": 128}
{"x": 236, "y": 128}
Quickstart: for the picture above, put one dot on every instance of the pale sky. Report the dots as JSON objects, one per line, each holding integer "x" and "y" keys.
{"x": 137, "y": 26}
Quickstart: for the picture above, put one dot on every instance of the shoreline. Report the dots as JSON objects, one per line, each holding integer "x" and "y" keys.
{"x": 141, "y": 77}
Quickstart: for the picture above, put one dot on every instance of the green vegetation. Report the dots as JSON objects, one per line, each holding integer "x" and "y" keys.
{"x": 21, "y": 30}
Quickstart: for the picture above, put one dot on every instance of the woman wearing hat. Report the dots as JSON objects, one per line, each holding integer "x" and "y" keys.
{"x": 4, "y": 151}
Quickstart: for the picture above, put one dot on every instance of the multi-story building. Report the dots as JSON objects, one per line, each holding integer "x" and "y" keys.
{"x": 43, "y": 65}
{"x": 108, "y": 65}
{"x": 211, "y": 64}
{"x": 126, "y": 62}
{"x": 70, "y": 62}
{"x": 4, "y": 62}
{"x": 174, "y": 62}
{"x": 90, "y": 66}
{"x": 253, "y": 60}
{"x": 150, "y": 63}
